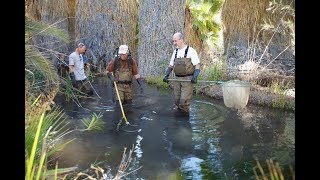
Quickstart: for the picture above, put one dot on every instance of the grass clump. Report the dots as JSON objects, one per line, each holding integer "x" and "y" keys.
{"x": 95, "y": 123}
{"x": 216, "y": 72}
{"x": 158, "y": 82}
{"x": 281, "y": 100}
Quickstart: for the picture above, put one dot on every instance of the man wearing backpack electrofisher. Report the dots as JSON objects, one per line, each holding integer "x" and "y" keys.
{"x": 124, "y": 68}
{"x": 186, "y": 66}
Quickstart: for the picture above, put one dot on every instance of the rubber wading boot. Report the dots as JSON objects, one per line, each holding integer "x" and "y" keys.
{"x": 180, "y": 113}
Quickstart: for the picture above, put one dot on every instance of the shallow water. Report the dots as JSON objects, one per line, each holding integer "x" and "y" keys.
{"x": 213, "y": 142}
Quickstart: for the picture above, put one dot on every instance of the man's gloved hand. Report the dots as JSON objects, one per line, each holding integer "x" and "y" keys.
{"x": 165, "y": 79}
{"x": 72, "y": 77}
{"x": 195, "y": 76}
{"x": 167, "y": 73}
{"x": 142, "y": 85}
{"x": 111, "y": 77}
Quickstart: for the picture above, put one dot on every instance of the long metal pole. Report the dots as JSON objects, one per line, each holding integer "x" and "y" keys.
{"x": 186, "y": 80}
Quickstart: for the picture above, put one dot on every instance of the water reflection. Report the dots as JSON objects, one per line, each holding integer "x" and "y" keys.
{"x": 213, "y": 142}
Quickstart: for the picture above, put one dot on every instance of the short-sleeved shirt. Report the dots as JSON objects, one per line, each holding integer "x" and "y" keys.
{"x": 191, "y": 54}
{"x": 76, "y": 60}
{"x": 123, "y": 64}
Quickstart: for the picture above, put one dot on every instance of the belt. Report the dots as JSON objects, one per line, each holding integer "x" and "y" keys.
{"x": 184, "y": 75}
{"x": 124, "y": 82}
{"x": 83, "y": 80}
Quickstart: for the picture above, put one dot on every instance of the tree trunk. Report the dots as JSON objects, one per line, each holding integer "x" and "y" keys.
{"x": 158, "y": 21}
{"x": 103, "y": 25}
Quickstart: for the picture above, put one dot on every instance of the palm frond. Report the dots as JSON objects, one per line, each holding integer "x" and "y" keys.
{"x": 36, "y": 162}
{"x": 215, "y": 6}
{"x": 55, "y": 119}
{"x": 34, "y": 28}
{"x": 202, "y": 13}
{"x": 31, "y": 158}
{"x": 60, "y": 171}
{"x": 59, "y": 147}
{"x": 95, "y": 123}
{"x": 36, "y": 61}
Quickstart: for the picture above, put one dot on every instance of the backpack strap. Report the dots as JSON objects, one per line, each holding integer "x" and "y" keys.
{"x": 116, "y": 59}
{"x": 130, "y": 62}
{"x": 185, "y": 53}
{"x": 115, "y": 53}
{"x": 117, "y": 62}
{"x": 175, "y": 56}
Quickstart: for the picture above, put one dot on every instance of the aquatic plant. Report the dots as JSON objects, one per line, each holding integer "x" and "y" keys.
{"x": 157, "y": 81}
{"x": 280, "y": 101}
{"x": 95, "y": 123}
{"x": 41, "y": 142}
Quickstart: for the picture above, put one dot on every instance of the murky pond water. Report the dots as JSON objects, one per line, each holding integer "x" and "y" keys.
{"x": 213, "y": 142}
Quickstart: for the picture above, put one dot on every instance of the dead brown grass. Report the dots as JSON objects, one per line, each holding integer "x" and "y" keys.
{"x": 246, "y": 18}
{"x": 36, "y": 9}
{"x": 240, "y": 18}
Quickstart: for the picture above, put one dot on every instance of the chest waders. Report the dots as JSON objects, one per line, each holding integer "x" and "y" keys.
{"x": 123, "y": 87}
{"x": 123, "y": 76}
{"x": 183, "y": 91}
{"x": 183, "y": 66}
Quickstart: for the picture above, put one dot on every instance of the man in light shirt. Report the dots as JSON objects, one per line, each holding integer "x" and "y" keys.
{"x": 186, "y": 66}
{"x": 76, "y": 70}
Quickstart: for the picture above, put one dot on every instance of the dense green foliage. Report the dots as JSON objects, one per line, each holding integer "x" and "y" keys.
{"x": 204, "y": 13}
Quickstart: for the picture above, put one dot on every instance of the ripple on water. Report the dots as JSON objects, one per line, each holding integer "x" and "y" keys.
{"x": 191, "y": 167}
{"x": 137, "y": 148}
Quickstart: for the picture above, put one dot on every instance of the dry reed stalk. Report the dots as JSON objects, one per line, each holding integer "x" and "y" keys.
{"x": 292, "y": 172}
{"x": 261, "y": 170}
{"x": 274, "y": 171}
{"x": 279, "y": 172}
{"x": 123, "y": 167}
{"x": 270, "y": 168}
